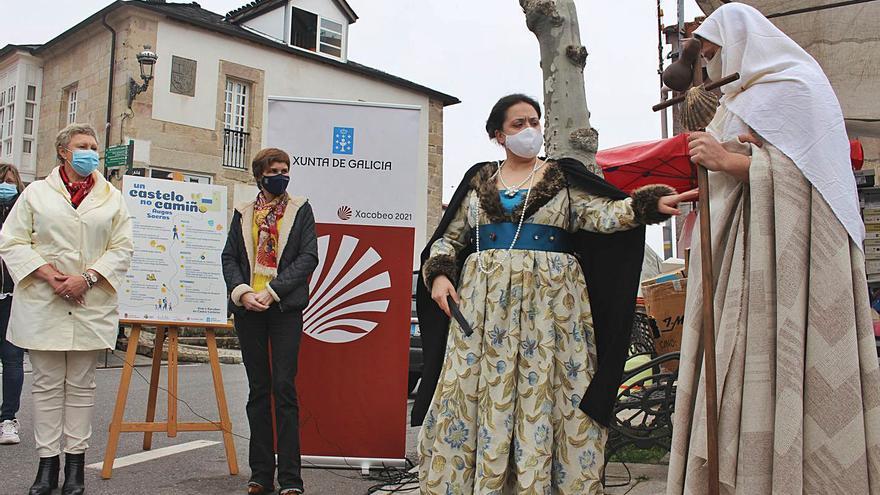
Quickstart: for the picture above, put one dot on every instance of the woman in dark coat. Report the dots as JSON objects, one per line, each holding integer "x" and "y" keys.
{"x": 12, "y": 356}
{"x": 270, "y": 254}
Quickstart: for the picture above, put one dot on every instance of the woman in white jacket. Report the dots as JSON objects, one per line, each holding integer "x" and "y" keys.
{"x": 67, "y": 243}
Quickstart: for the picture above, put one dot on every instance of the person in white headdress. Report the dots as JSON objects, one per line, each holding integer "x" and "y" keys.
{"x": 797, "y": 371}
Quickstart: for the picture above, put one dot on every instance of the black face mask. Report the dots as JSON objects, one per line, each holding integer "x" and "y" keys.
{"x": 275, "y": 184}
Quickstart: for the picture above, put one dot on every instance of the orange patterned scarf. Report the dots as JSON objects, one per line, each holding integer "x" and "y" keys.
{"x": 267, "y": 216}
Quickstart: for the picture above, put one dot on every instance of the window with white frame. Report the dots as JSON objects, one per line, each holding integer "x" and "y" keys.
{"x": 30, "y": 110}
{"x": 315, "y": 33}
{"x": 236, "y": 109}
{"x": 71, "y": 104}
{"x": 2, "y": 121}
{"x": 235, "y": 123}
{"x": 10, "y": 120}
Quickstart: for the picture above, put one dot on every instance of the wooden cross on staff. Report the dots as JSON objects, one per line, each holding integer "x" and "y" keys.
{"x": 686, "y": 74}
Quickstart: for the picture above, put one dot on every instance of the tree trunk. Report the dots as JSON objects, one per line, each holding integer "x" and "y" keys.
{"x": 567, "y": 130}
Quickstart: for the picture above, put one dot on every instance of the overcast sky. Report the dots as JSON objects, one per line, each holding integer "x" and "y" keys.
{"x": 476, "y": 50}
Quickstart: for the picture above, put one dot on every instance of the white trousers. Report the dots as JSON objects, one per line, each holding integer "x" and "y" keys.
{"x": 64, "y": 396}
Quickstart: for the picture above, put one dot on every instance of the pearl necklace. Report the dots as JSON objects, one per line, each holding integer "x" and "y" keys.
{"x": 522, "y": 218}
{"x": 511, "y": 191}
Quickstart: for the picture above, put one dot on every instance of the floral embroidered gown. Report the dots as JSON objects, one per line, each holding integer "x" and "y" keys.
{"x": 504, "y": 418}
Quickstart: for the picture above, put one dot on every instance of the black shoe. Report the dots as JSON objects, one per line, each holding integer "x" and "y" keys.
{"x": 74, "y": 474}
{"x": 47, "y": 476}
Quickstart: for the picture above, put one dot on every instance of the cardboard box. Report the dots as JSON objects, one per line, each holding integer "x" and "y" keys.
{"x": 872, "y": 267}
{"x": 665, "y": 303}
{"x": 663, "y": 277}
{"x": 673, "y": 265}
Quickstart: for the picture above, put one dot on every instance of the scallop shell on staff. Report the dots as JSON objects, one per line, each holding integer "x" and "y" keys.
{"x": 698, "y": 109}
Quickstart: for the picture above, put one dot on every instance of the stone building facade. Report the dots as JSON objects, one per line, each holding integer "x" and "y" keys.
{"x": 180, "y": 125}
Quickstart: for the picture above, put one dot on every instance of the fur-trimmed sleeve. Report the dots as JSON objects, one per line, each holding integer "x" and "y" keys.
{"x": 644, "y": 203}
{"x": 444, "y": 251}
{"x": 600, "y": 214}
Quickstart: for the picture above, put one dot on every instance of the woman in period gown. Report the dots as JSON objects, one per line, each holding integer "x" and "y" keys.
{"x": 506, "y": 416}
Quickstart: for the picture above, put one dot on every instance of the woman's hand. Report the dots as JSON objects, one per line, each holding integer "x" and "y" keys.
{"x": 47, "y": 273}
{"x": 251, "y": 303}
{"x": 440, "y": 288}
{"x": 705, "y": 150}
{"x": 751, "y": 138}
{"x": 264, "y": 298}
{"x": 71, "y": 287}
{"x": 668, "y": 205}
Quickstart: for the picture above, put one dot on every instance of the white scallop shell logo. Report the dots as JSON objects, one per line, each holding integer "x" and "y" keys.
{"x": 341, "y": 310}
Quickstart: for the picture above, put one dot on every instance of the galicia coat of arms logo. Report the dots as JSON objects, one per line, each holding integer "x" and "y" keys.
{"x": 343, "y": 140}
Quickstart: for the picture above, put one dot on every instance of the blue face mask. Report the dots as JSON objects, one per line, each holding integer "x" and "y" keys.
{"x": 84, "y": 162}
{"x": 7, "y": 191}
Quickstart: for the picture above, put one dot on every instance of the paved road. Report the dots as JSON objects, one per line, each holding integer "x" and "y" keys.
{"x": 202, "y": 470}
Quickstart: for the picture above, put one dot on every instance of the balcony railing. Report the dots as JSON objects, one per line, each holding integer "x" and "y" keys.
{"x": 235, "y": 148}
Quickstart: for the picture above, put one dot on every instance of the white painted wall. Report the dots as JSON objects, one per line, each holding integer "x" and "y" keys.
{"x": 270, "y": 24}
{"x": 285, "y": 75}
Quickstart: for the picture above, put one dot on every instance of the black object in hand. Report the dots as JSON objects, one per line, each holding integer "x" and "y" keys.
{"x": 456, "y": 313}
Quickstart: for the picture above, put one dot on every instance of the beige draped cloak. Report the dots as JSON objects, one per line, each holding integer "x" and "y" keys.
{"x": 797, "y": 368}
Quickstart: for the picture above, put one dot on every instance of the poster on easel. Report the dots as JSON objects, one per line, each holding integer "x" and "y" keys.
{"x": 176, "y": 274}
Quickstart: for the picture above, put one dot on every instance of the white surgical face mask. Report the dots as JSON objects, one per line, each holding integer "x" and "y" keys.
{"x": 713, "y": 67}
{"x": 525, "y": 143}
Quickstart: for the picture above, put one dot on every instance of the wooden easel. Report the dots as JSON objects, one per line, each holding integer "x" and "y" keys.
{"x": 166, "y": 331}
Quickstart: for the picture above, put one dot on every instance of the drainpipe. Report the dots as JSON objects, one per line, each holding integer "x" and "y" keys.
{"x": 110, "y": 83}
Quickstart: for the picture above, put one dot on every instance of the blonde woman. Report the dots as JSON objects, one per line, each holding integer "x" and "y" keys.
{"x": 67, "y": 244}
{"x": 11, "y": 355}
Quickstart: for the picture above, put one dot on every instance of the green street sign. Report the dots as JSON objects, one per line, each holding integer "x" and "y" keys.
{"x": 116, "y": 156}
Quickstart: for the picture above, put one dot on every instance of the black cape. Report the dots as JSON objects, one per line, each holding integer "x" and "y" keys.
{"x": 612, "y": 264}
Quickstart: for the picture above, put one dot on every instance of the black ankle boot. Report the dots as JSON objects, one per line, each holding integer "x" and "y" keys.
{"x": 47, "y": 476}
{"x": 74, "y": 476}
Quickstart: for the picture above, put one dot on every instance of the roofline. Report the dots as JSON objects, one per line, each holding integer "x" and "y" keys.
{"x": 10, "y": 48}
{"x": 260, "y": 40}
{"x": 346, "y": 8}
{"x": 350, "y": 65}
{"x": 247, "y": 13}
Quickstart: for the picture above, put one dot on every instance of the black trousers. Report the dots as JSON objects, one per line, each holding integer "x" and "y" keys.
{"x": 268, "y": 377}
